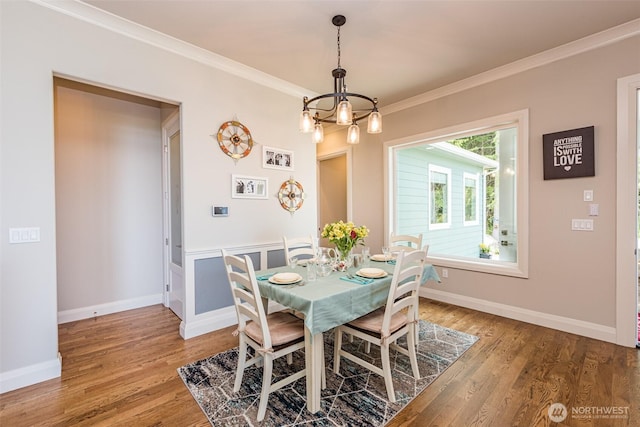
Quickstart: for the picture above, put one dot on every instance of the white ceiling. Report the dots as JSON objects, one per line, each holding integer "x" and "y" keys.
{"x": 391, "y": 50}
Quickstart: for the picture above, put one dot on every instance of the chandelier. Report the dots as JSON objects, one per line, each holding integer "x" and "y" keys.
{"x": 341, "y": 112}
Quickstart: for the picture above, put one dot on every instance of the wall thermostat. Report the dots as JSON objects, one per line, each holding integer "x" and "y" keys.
{"x": 220, "y": 211}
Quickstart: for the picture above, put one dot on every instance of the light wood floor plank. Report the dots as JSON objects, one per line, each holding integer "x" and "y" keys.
{"x": 120, "y": 369}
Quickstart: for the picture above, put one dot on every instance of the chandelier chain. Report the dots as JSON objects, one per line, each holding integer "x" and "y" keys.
{"x": 338, "y": 47}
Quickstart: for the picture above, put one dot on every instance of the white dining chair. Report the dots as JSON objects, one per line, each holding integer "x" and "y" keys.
{"x": 299, "y": 246}
{"x": 404, "y": 242}
{"x": 271, "y": 336}
{"x": 385, "y": 325}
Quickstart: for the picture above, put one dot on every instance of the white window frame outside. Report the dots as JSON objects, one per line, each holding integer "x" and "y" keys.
{"x": 517, "y": 119}
{"x": 447, "y": 173}
{"x": 476, "y": 179}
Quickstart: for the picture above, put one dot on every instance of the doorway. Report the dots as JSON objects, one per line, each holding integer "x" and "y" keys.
{"x": 332, "y": 191}
{"x": 637, "y": 282}
{"x": 109, "y": 201}
{"x": 627, "y": 211}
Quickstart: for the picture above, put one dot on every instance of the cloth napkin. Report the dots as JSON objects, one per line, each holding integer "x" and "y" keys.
{"x": 358, "y": 280}
{"x": 264, "y": 276}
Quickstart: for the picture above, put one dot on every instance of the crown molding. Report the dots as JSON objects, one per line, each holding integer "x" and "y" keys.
{"x": 92, "y": 15}
{"x": 594, "y": 41}
{"x": 109, "y": 21}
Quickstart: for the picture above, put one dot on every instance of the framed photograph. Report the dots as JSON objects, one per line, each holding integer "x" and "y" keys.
{"x": 249, "y": 187}
{"x": 276, "y": 158}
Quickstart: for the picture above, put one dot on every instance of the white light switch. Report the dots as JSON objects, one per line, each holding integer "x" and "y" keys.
{"x": 24, "y": 235}
{"x": 588, "y": 195}
{"x": 582, "y": 224}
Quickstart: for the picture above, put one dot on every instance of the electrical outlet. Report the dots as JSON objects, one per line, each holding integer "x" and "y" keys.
{"x": 445, "y": 273}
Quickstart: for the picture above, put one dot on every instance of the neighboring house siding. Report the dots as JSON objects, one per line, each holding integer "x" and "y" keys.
{"x": 412, "y": 192}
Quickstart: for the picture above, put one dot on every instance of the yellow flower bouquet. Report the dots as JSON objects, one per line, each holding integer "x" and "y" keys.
{"x": 345, "y": 235}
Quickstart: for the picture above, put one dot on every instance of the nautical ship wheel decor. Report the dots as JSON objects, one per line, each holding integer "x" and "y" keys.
{"x": 291, "y": 195}
{"x": 235, "y": 139}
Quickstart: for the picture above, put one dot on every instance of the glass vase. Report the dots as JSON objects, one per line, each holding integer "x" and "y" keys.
{"x": 344, "y": 260}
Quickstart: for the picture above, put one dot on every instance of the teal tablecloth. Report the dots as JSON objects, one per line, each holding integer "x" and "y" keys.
{"x": 329, "y": 301}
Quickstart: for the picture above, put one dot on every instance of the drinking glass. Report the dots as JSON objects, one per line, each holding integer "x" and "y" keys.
{"x": 312, "y": 272}
{"x": 358, "y": 260}
{"x": 366, "y": 255}
{"x": 293, "y": 263}
{"x": 387, "y": 254}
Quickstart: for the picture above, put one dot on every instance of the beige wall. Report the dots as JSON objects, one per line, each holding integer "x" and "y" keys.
{"x": 37, "y": 42}
{"x": 571, "y": 274}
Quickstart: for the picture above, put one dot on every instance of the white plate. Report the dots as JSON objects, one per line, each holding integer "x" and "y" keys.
{"x": 380, "y": 257}
{"x": 285, "y": 278}
{"x": 372, "y": 273}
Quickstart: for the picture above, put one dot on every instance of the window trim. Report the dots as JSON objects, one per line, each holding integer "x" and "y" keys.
{"x": 476, "y": 178}
{"x": 518, "y": 119}
{"x": 447, "y": 173}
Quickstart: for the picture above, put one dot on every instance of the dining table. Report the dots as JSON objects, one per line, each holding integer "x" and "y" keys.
{"x": 327, "y": 302}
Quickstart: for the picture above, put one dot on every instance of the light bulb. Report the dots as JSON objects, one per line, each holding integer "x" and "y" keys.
{"x": 306, "y": 122}
{"x": 375, "y": 122}
{"x": 344, "y": 113}
{"x": 318, "y": 134}
{"x": 353, "y": 134}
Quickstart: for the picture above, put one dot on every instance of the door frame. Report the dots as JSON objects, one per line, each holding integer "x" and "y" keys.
{"x": 626, "y": 211}
{"x": 170, "y": 126}
{"x": 327, "y": 156}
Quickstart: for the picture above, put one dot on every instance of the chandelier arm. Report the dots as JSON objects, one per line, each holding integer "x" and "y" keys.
{"x": 336, "y": 96}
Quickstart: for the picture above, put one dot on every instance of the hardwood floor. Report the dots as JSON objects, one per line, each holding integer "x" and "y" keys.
{"x": 120, "y": 369}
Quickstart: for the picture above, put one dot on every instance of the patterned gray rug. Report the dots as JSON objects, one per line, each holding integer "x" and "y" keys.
{"x": 356, "y": 397}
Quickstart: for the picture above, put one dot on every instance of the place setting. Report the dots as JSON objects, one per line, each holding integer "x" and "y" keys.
{"x": 286, "y": 278}
{"x": 386, "y": 256}
{"x": 365, "y": 276}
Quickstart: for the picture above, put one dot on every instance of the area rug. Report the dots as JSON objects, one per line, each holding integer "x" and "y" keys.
{"x": 355, "y": 397}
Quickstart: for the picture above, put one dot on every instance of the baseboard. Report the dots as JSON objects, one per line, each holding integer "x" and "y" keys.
{"x": 214, "y": 320}
{"x": 565, "y": 324}
{"x": 108, "y": 308}
{"x": 208, "y": 322}
{"x": 29, "y": 375}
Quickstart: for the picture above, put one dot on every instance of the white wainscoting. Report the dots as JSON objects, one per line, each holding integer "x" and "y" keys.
{"x": 193, "y": 324}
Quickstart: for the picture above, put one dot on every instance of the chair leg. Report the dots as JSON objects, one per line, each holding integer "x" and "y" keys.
{"x": 386, "y": 370}
{"x": 411, "y": 346}
{"x": 267, "y": 372}
{"x": 337, "y": 344}
{"x": 367, "y": 347}
{"x": 416, "y": 317}
{"x": 242, "y": 360}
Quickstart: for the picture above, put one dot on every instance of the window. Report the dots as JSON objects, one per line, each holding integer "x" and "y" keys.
{"x": 470, "y": 199}
{"x": 439, "y": 197}
{"x": 465, "y": 189}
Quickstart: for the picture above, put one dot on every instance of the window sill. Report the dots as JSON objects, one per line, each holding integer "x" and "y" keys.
{"x": 480, "y": 265}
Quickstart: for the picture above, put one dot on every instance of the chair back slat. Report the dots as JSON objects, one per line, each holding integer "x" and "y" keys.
{"x": 246, "y": 294}
{"x": 404, "y": 242}
{"x": 403, "y": 292}
{"x": 305, "y": 247}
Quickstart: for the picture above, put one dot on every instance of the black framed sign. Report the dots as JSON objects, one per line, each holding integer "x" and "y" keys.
{"x": 569, "y": 154}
